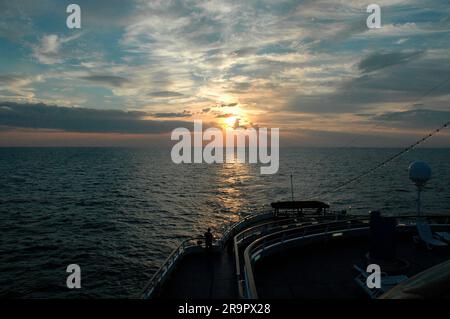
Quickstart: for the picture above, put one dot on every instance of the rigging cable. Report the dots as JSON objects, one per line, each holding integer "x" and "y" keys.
{"x": 418, "y": 99}
{"x": 390, "y": 159}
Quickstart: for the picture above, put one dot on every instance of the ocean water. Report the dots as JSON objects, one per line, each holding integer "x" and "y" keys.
{"x": 118, "y": 213}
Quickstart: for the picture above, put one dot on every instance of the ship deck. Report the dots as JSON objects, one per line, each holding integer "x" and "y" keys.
{"x": 325, "y": 270}
{"x": 203, "y": 275}
{"x": 322, "y": 269}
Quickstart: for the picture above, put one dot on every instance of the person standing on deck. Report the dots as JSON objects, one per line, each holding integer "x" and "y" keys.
{"x": 208, "y": 239}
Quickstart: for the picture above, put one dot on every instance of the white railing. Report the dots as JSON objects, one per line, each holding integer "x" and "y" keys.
{"x": 166, "y": 268}
{"x": 243, "y": 281}
{"x": 262, "y": 245}
{"x": 267, "y": 228}
{"x": 241, "y": 224}
{"x": 160, "y": 276}
{"x": 319, "y": 231}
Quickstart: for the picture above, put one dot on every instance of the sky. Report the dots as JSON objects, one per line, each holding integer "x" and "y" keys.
{"x": 136, "y": 70}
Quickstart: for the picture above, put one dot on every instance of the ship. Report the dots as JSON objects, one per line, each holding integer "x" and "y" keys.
{"x": 303, "y": 249}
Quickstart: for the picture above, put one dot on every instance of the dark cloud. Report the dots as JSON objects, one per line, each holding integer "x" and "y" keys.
{"x": 165, "y": 94}
{"x": 239, "y": 87}
{"x": 10, "y": 79}
{"x": 10, "y": 94}
{"x": 328, "y": 43}
{"x": 105, "y": 14}
{"x": 109, "y": 80}
{"x": 314, "y": 138}
{"x": 206, "y": 110}
{"x": 7, "y": 79}
{"x": 378, "y": 61}
{"x": 417, "y": 80}
{"x": 224, "y": 116}
{"x": 419, "y": 118}
{"x": 168, "y": 114}
{"x": 228, "y": 105}
{"x": 15, "y": 22}
{"x": 243, "y": 52}
{"x": 42, "y": 116}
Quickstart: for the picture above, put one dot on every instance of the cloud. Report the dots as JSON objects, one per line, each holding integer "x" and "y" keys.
{"x": 185, "y": 113}
{"x": 223, "y": 116}
{"x": 418, "y": 118}
{"x": 228, "y": 104}
{"x": 107, "y": 80}
{"x": 8, "y": 80}
{"x": 283, "y": 55}
{"x": 423, "y": 78}
{"x": 105, "y": 14}
{"x": 18, "y": 85}
{"x": 285, "y": 63}
{"x": 164, "y": 94}
{"x": 366, "y": 138}
{"x": 15, "y": 23}
{"x": 42, "y": 116}
{"x": 376, "y": 61}
{"x": 402, "y": 30}
{"x": 48, "y": 50}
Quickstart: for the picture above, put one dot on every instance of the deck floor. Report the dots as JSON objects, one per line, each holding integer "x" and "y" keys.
{"x": 322, "y": 270}
{"x": 203, "y": 276}
{"x": 325, "y": 270}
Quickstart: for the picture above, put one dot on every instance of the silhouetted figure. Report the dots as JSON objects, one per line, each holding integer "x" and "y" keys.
{"x": 208, "y": 239}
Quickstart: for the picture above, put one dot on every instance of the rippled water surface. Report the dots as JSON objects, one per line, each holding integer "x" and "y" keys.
{"x": 119, "y": 212}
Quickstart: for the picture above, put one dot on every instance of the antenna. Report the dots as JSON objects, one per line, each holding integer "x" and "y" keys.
{"x": 292, "y": 189}
{"x": 419, "y": 174}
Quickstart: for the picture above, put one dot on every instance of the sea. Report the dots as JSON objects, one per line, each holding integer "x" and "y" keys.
{"x": 119, "y": 212}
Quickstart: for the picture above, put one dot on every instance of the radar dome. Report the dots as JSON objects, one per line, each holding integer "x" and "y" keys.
{"x": 419, "y": 172}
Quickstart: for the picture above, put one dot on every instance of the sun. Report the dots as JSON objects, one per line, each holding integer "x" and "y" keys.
{"x": 230, "y": 121}
{"x": 234, "y": 117}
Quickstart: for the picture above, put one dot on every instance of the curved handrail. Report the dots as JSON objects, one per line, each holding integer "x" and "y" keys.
{"x": 283, "y": 236}
{"x": 180, "y": 250}
{"x": 250, "y": 218}
{"x": 256, "y": 230}
{"x": 286, "y": 235}
{"x": 167, "y": 266}
{"x": 271, "y": 227}
{"x": 311, "y": 219}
